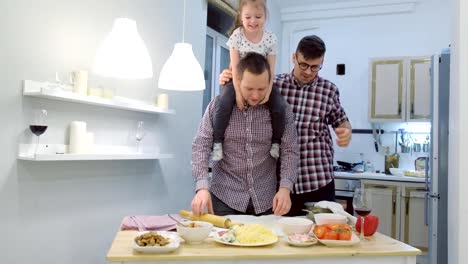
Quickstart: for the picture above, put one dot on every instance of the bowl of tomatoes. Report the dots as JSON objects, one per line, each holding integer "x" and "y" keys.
{"x": 335, "y": 235}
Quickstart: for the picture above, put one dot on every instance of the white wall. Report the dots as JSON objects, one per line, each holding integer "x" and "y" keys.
{"x": 274, "y": 24}
{"x": 68, "y": 212}
{"x": 353, "y": 40}
{"x": 458, "y": 142}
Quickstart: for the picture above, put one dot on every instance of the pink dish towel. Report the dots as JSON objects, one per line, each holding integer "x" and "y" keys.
{"x": 150, "y": 222}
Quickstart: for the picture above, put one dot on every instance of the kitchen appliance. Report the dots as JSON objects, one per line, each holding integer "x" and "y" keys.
{"x": 344, "y": 192}
{"x": 437, "y": 170}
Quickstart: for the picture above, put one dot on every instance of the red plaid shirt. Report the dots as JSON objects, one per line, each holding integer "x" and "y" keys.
{"x": 247, "y": 171}
{"x": 316, "y": 106}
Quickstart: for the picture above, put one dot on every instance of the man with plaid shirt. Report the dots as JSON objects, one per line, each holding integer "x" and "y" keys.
{"x": 244, "y": 181}
{"x": 316, "y": 104}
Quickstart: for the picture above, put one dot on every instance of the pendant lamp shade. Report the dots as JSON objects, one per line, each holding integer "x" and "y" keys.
{"x": 123, "y": 53}
{"x": 182, "y": 72}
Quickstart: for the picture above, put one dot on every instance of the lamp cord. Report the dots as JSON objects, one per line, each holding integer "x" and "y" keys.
{"x": 183, "y": 26}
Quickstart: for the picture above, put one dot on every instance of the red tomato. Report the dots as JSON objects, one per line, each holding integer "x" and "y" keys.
{"x": 331, "y": 235}
{"x": 371, "y": 222}
{"x": 344, "y": 235}
{"x": 320, "y": 231}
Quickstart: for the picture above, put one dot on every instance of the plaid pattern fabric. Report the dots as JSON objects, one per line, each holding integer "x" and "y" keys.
{"x": 316, "y": 106}
{"x": 247, "y": 170}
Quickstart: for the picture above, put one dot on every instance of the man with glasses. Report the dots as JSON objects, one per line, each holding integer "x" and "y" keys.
{"x": 316, "y": 104}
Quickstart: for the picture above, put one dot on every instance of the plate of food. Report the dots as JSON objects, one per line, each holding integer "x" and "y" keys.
{"x": 250, "y": 235}
{"x": 335, "y": 235}
{"x": 156, "y": 242}
{"x": 301, "y": 240}
{"x": 341, "y": 243}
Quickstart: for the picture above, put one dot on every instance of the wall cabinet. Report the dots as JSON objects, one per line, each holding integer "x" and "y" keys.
{"x": 401, "y": 210}
{"x": 400, "y": 89}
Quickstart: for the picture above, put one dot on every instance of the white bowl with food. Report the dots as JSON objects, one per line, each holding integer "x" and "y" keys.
{"x": 155, "y": 241}
{"x": 194, "y": 232}
{"x": 330, "y": 218}
{"x": 295, "y": 225}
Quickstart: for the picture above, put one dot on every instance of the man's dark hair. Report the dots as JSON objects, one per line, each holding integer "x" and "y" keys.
{"x": 311, "y": 47}
{"x": 254, "y": 63}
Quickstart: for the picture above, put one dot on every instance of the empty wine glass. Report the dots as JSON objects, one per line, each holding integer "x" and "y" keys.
{"x": 38, "y": 125}
{"x": 140, "y": 133}
{"x": 362, "y": 203}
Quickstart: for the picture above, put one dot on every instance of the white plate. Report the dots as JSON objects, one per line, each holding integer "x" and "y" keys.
{"x": 341, "y": 243}
{"x": 217, "y": 239}
{"x": 174, "y": 243}
{"x": 301, "y": 244}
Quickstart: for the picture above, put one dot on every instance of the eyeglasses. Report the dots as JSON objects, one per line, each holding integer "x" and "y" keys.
{"x": 304, "y": 66}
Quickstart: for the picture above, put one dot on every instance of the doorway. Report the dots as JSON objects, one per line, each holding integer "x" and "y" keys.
{"x": 216, "y": 60}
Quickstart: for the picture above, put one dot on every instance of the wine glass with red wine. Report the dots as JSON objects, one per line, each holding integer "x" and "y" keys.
{"x": 362, "y": 203}
{"x": 39, "y": 125}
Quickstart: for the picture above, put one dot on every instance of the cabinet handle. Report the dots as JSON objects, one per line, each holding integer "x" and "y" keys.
{"x": 407, "y": 207}
{"x": 394, "y": 207}
{"x": 399, "y": 108}
{"x": 426, "y": 211}
{"x": 379, "y": 186}
{"x": 412, "y": 108}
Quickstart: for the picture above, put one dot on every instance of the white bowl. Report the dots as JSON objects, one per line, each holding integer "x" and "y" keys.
{"x": 194, "y": 235}
{"x": 397, "y": 171}
{"x": 327, "y": 218}
{"x": 295, "y": 225}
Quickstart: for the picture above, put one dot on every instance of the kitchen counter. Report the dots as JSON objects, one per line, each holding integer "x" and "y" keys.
{"x": 380, "y": 249}
{"x": 376, "y": 176}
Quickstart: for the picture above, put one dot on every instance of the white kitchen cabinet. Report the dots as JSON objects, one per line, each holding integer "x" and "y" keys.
{"x": 386, "y": 205}
{"x": 414, "y": 228}
{"x": 399, "y": 89}
{"x": 400, "y": 207}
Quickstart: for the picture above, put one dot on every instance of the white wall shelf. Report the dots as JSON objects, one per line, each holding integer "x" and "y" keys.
{"x": 57, "y": 152}
{"x": 42, "y": 90}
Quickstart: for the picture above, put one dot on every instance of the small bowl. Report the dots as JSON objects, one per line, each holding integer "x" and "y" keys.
{"x": 397, "y": 171}
{"x": 327, "y": 218}
{"x": 295, "y": 225}
{"x": 312, "y": 210}
{"x": 194, "y": 232}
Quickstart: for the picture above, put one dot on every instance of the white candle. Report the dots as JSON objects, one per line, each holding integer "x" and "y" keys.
{"x": 77, "y": 137}
{"x": 163, "y": 101}
{"x": 80, "y": 82}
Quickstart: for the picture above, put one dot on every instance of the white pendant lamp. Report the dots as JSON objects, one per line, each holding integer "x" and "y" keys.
{"x": 123, "y": 54}
{"x": 182, "y": 71}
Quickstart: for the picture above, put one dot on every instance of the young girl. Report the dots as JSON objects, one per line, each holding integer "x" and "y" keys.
{"x": 249, "y": 36}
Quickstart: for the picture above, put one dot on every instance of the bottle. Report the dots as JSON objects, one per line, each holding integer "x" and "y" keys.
{"x": 369, "y": 167}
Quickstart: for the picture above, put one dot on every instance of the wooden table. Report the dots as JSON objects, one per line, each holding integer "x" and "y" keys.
{"x": 381, "y": 249}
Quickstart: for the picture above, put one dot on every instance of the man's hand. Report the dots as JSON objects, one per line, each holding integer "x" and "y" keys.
{"x": 343, "y": 135}
{"x": 201, "y": 201}
{"x": 281, "y": 201}
{"x": 225, "y": 76}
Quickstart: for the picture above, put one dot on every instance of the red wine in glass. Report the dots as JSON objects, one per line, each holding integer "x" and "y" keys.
{"x": 38, "y": 125}
{"x": 362, "y": 203}
{"x": 362, "y": 211}
{"x": 37, "y": 130}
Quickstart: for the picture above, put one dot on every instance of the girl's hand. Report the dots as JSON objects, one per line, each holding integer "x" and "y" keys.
{"x": 240, "y": 101}
{"x": 267, "y": 96}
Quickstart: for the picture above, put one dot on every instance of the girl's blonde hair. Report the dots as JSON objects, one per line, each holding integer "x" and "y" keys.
{"x": 242, "y": 3}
